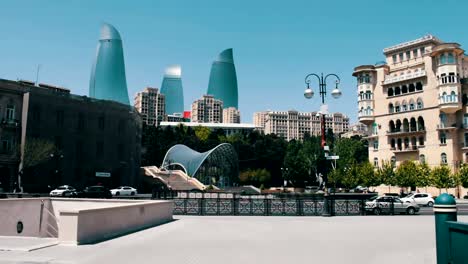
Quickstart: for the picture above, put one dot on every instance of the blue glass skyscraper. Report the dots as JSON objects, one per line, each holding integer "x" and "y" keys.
{"x": 108, "y": 79}
{"x": 172, "y": 89}
{"x": 223, "y": 80}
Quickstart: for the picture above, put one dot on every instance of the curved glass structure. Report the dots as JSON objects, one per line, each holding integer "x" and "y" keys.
{"x": 223, "y": 80}
{"x": 108, "y": 79}
{"x": 172, "y": 89}
{"x": 218, "y": 166}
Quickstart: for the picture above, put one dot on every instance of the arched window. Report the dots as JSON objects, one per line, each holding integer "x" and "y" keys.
{"x": 391, "y": 125}
{"x": 369, "y": 111}
{"x": 443, "y": 120}
{"x": 392, "y": 143}
{"x": 376, "y": 144}
{"x": 421, "y": 126}
{"x": 404, "y": 89}
{"x": 393, "y": 161}
{"x": 404, "y": 107}
{"x": 420, "y": 103}
{"x": 390, "y": 92}
{"x": 443, "y": 158}
{"x": 443, "y": 98}
{"x": 361, "y": 95}
{"x": 443, "y": 59}
{"x": 419, "y": 86}
{"x": 450, "y": 58}
{"x": 398, "y": 126}
{"x": 454, "y": 98}
{"x": 375, "y": 129}
{"x": 397, "y": 90}
{"x": 465, "y": 120}
{"x": 422, "y": 159}
{"x": 406, "y": 142}
{"x": 412, "y": 124}
{"x": 413, "y": 142}
{"x": 368, "y": 95}
{"x": 399, "y": 144}
{"x": 405, "y": 125}
{"x": 376, "y": 162}
{"x": 411, "y": 105}
{"x": 411, "y": 88}
{"x": 443, "y": 138}
{"x": 397, "y": 107}
{"x": 390, "y": 108}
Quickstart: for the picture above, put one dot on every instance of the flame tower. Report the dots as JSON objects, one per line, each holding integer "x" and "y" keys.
{"x": 223, "y": 80}
{"x": 172, "y": 89}
{"x": 108, "y": 79}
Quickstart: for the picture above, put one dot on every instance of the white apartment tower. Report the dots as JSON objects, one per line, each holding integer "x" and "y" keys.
{"x": 151, "y": 105}
{"x": 231, "y": 115}
{"x": 207, "y": 110}
{"x": 293, "y": 124}
{"x": 414, "y": 103}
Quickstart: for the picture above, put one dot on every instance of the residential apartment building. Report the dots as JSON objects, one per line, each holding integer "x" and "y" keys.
{"x": 358, "y": 129}
{"x": 207, "y": 110}
{"x": 293, "y": 124}
{"x": 231, "y": 115}
{"x": 150, "y": 103}
{"x": 89, "y": 137}
{"x": 414, "y": 103}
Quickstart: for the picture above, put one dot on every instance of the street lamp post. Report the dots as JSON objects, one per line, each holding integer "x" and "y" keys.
{"x": 284, "y": 173}
{"x": 308, "y": 94}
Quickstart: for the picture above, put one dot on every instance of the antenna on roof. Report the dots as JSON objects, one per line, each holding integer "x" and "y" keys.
{"x": 37, "y": 75}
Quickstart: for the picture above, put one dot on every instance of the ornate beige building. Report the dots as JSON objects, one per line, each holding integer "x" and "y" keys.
{"x": 151, "y": 105}
{"x": 207, "y": 110}
{"x": 293, "y": 124}
{"x": 231, "y": 115}
{"x": 414, "y": 103}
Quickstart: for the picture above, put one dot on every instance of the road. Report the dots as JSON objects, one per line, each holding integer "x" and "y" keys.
{"x": 462, "y": 210}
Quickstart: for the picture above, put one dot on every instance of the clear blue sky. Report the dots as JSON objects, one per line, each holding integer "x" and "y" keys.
{"x": 276, "y": 43}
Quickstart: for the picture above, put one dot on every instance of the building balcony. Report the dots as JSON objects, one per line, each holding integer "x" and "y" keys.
{"x": 393, "y": 79}
{"x": 397, "y": 133}
{"x": 405, "y": 149}
{"x": 449, "y": 107}
{"x": 10, "y": 123}
{"x": 366, "y": 118}
{"x": 442, "y": 127}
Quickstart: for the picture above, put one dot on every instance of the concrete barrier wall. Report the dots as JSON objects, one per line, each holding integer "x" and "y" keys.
{"x": 27, "y": 211}
{"x": 93, "y": 225}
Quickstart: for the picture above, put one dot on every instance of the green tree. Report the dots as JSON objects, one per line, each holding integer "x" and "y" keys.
{"x": 386, "y": 174}
{"x": 406, "y": 174}
{"x": 424, "y": 175}
{"x": 350, "y": 150}
{"x": 257, "y": 177}
{"x": 351, "y": 177}
{"x": 335, "y": 177}
{"x": 295, "y": 161}
{"x": 37, "y": 151}
{"x": 463, "y": 175}
{"x": 367, "y": 175}
{"x": 202, "y": 133}
{"x": 442, "y": 177}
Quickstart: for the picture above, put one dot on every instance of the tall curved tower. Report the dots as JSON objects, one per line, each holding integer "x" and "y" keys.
{"x": 108, "y": 79}
{"x": 223, "y": 80}
{"x": 172, "y": 89}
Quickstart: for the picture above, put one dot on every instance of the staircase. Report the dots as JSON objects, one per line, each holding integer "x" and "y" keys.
{"x": 175, "y": 180}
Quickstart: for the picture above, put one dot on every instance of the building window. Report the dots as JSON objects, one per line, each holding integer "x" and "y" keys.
{"x": 443, "y": 138}
{"x": 411, "y": 106}
{"x": 6, "y": 146}
{"x": 397, "y": 109}
{"x": 415, "y": 53}
{"x": 101, "y": 122}
{"x": 443, "y": 158}
{"x": 450, "y": 58}
{"x": 390, "y": 108}
{"x": 375, "y": 129}
{"x": 408, "y": 55}
{"x": 404, "y": 108}
{"x": 422, "y": 51}
{"x": 401, "y": 56}
{"x": 390, "y": 91}
{"x": 81, "y": 121}
{"x": 376, "y": 162}
{"x": 10, "y": 112}
{"x": 59, "y": 118}
{"x": 420, "y": 104}
{"x": 422, "y": 159}
{"x": 421, "y": 141}
{"x": 442, "y": 59}
{"x": 99, "y": 149}
{"x": 393, "y": 161}
{"x": 419, "y": 86}
{"x": 376, "y": 144}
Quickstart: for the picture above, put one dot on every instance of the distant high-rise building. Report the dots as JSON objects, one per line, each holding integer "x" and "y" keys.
{"x": 150, "y": 104}
{"x": 231, "y": 115}
{"x": 223, "y": 80}
{"x": 293, "y": 124}
{"x": 108, "y": 79}
{"x": 172, "y": 88}
{"x": 207, "y": 110}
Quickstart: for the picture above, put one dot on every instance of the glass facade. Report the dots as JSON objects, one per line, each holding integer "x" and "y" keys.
{"x": 108, "y": 79}
{"x": 172, "y": 89}
{"x": 218, "y": 166}
{"x": 223, "y": 80}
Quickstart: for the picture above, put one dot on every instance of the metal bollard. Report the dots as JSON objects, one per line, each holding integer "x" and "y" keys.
{"x": 445, "y": 209}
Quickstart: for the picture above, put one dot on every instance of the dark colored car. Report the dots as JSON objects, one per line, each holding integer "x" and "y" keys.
{"x": 95, "y": 192}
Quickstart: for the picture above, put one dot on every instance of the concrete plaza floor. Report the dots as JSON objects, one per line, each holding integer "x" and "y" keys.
{"x": 236, "y": 239}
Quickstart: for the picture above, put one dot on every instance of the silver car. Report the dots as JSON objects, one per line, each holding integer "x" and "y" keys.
{"x": 390, "y": 205}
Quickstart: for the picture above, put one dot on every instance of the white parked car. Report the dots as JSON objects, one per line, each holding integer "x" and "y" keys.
{"x": 419, "y": 198}
{"x": 390, "y": 205}
{"x": 124, "y": 190}
{"x": 64, "y": 191}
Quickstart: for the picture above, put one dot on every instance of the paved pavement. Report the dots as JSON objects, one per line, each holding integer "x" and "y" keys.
{"x": 237, "y": 239}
